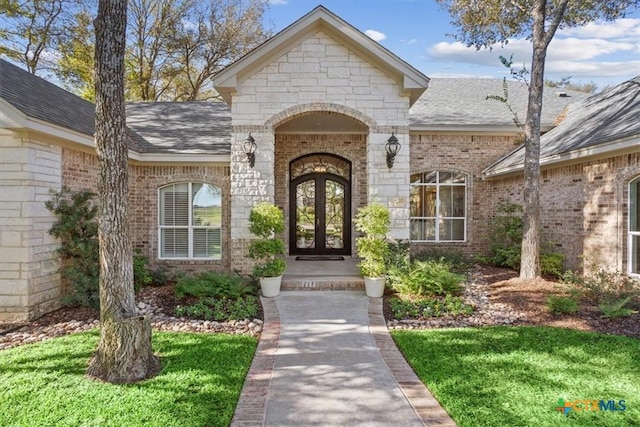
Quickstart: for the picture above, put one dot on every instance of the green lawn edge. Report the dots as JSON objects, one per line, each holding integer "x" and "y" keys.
{"x": 202, "y": 375}
{"x": 515, "y": 376}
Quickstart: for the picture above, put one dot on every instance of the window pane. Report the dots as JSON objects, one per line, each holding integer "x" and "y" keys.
{"x": 423, "y": 229}
{"x": 634, "y": 261}
{"x": 174, "y": 205}
{"x": 206, "y": 243}
{"x": 429, "y": 201}
{"x": 451, "y": 229}
{"x": 430, "y": 177}
{"x": 174, "y": 243}
{"x": 458, "y": 201}
{"x": 634, "y": 205}
{"x": 207, "y": 210}
{"x": 458, "y": 178}
{"x": 446, "y": 206}
{"x": 445, "y": 178}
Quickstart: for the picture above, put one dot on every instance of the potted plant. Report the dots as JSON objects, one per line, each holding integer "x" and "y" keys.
{"x": 373, "y": 220}
{"x": 265, "y": 221}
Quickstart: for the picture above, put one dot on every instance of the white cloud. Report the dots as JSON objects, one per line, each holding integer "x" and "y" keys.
{"x": 376, "y": 35}
{"x": 624, "y": 28}
{"x": 277, "y": 2}
{"x": 409, "y": 42}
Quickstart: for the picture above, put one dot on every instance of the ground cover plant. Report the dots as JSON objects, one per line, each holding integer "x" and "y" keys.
{"x": 216, "y": 296}
{"x": 202, "y": 375}
{"x": 506, "y": 376}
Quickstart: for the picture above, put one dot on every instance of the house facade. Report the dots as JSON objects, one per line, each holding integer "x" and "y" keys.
{"x": 323, "y": 104}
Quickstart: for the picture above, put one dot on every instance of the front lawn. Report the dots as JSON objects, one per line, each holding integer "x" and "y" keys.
{"x": 514, "y": 376}
{"x": 44, "y": 385}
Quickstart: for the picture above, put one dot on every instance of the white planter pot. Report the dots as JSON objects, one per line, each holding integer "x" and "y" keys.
{"x": 270, "y": 286}
{"x": 374, "y": 286}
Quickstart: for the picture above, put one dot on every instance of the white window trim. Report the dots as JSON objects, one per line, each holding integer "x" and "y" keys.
{"x": 438, "y": 217}
{"x": 631, "y": 234}
{"x": 189, "y": 227}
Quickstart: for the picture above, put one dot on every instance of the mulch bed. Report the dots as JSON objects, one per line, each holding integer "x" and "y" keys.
{"x": 527, "y": 296}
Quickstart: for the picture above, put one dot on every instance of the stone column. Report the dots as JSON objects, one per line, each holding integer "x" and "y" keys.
{"x": 248, "y": 187}
{"x": 390, "y": 186}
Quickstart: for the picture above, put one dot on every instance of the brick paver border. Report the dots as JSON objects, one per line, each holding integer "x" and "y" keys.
{"x": 418, "y": 395}
{"x": 252, "y": 405}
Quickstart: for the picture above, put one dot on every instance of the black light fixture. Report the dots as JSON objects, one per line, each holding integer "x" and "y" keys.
{"x": 392, "y": 147}
{"x": 249, "y": 148}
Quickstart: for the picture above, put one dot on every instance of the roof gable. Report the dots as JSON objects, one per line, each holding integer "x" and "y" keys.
{"x": 411, "y": 80}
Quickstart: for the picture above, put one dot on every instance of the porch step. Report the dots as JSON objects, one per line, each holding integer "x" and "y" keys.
{"x": 327, "y": 283}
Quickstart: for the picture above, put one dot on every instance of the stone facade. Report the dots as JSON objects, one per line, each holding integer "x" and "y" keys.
{"x": 318, "y": 75}
{"x": 29, "y": 282}
{"x": 584, "y": 208}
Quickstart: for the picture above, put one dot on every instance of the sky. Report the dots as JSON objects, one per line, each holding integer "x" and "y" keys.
{"x": 419, "y": 31}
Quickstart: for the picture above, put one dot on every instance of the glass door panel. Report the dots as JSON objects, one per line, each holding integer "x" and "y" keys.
{"x": 334, "y": 214}
{"x": 306, "y": 215}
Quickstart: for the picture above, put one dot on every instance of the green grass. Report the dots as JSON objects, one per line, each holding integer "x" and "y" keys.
{"x": 44, "y": 384}
{"x": 514, "y": 376}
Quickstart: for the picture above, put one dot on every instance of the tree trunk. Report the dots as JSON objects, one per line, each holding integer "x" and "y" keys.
{"x": 124, "y": 353}
{"x": 530, "y": 254}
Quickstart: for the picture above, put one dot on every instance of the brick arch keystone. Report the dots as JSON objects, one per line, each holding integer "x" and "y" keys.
{"x": 314, "y": 107}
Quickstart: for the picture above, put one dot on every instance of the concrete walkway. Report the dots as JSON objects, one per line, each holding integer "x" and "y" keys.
{"x": 326, "y": 359}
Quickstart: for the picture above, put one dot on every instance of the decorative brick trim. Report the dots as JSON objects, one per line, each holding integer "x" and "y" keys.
{"x": 418, "y": 395}
{"x": 304, "y": 109}
{"x": 252, "y": 405}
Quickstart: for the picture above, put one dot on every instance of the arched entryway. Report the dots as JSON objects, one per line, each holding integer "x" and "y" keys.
{"x": 320, "y": 205}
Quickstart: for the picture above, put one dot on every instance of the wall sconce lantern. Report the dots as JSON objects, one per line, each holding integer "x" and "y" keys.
{"x": 249, "y": 148}
{"x": 392, "y": 147}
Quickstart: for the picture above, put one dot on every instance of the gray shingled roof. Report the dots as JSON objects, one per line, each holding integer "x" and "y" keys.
{"x": 181, "y": 127}
{"x": 39, "y": 99}
{"x": 462, "y": 102}
{"x": 601, "y": 118}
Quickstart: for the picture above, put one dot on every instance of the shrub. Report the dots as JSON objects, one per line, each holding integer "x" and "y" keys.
{"x": 506, "y": 235}
{"x": 221, "y": 309}
{"x": 266, "y": 220}
{"x": 614, "y": 308}
{"x": 77, "y": 229}
{"x": 421, "y": 308}
{"x": 373, "y": 249}
{"x": 457, "y": 260}
{"x": 562, "y": 304}
{"x": 212, "y": 284}
{"x": 141, "y": 274}
{"x": 426, "y": 278}
{"x": 551, "y": 264}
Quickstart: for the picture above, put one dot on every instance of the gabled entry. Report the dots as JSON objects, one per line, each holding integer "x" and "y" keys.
{"x": 320, "y": 203}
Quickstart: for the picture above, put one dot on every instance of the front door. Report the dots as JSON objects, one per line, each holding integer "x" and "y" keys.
{"x": 320, "y": 217}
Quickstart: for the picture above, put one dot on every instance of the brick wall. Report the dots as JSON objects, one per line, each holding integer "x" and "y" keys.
{"x": 584, "y": 208}
{"x": 81, "y": 170}
{"x": 467, "y": 154}
{"x": 29, "y": 282}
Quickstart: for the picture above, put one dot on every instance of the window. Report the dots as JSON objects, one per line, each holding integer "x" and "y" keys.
{"x": 438, "y": 207}
{"x": 189, "y": 221}
{"x": 634, "y": 227}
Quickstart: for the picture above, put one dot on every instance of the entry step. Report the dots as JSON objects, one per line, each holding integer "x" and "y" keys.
{"x": 331, "y": 283}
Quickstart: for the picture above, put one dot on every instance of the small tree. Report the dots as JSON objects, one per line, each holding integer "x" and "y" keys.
{"x": 373, "y": 220}
{"x": 77, "y": 229}
{"x": 265, "y": 221}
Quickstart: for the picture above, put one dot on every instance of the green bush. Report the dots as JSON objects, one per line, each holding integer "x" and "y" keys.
{"x": 221, "y": 309}
{"x": 212, "y": 284}
{"x": 77, "y": 229}
{"x": 457, "y": 260}
{"x": 562, "y": 304}
{"x": 265, "y": 221}
{"x": 506, "y": 235}
{"x": 373, "y": 249}
{"x": 426, "y": 278}
{"x": 421, "y": 308}
{"x": 141, "y": 273}
{"x": 617, "y": 307}
{"x": 551, "y": 264}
